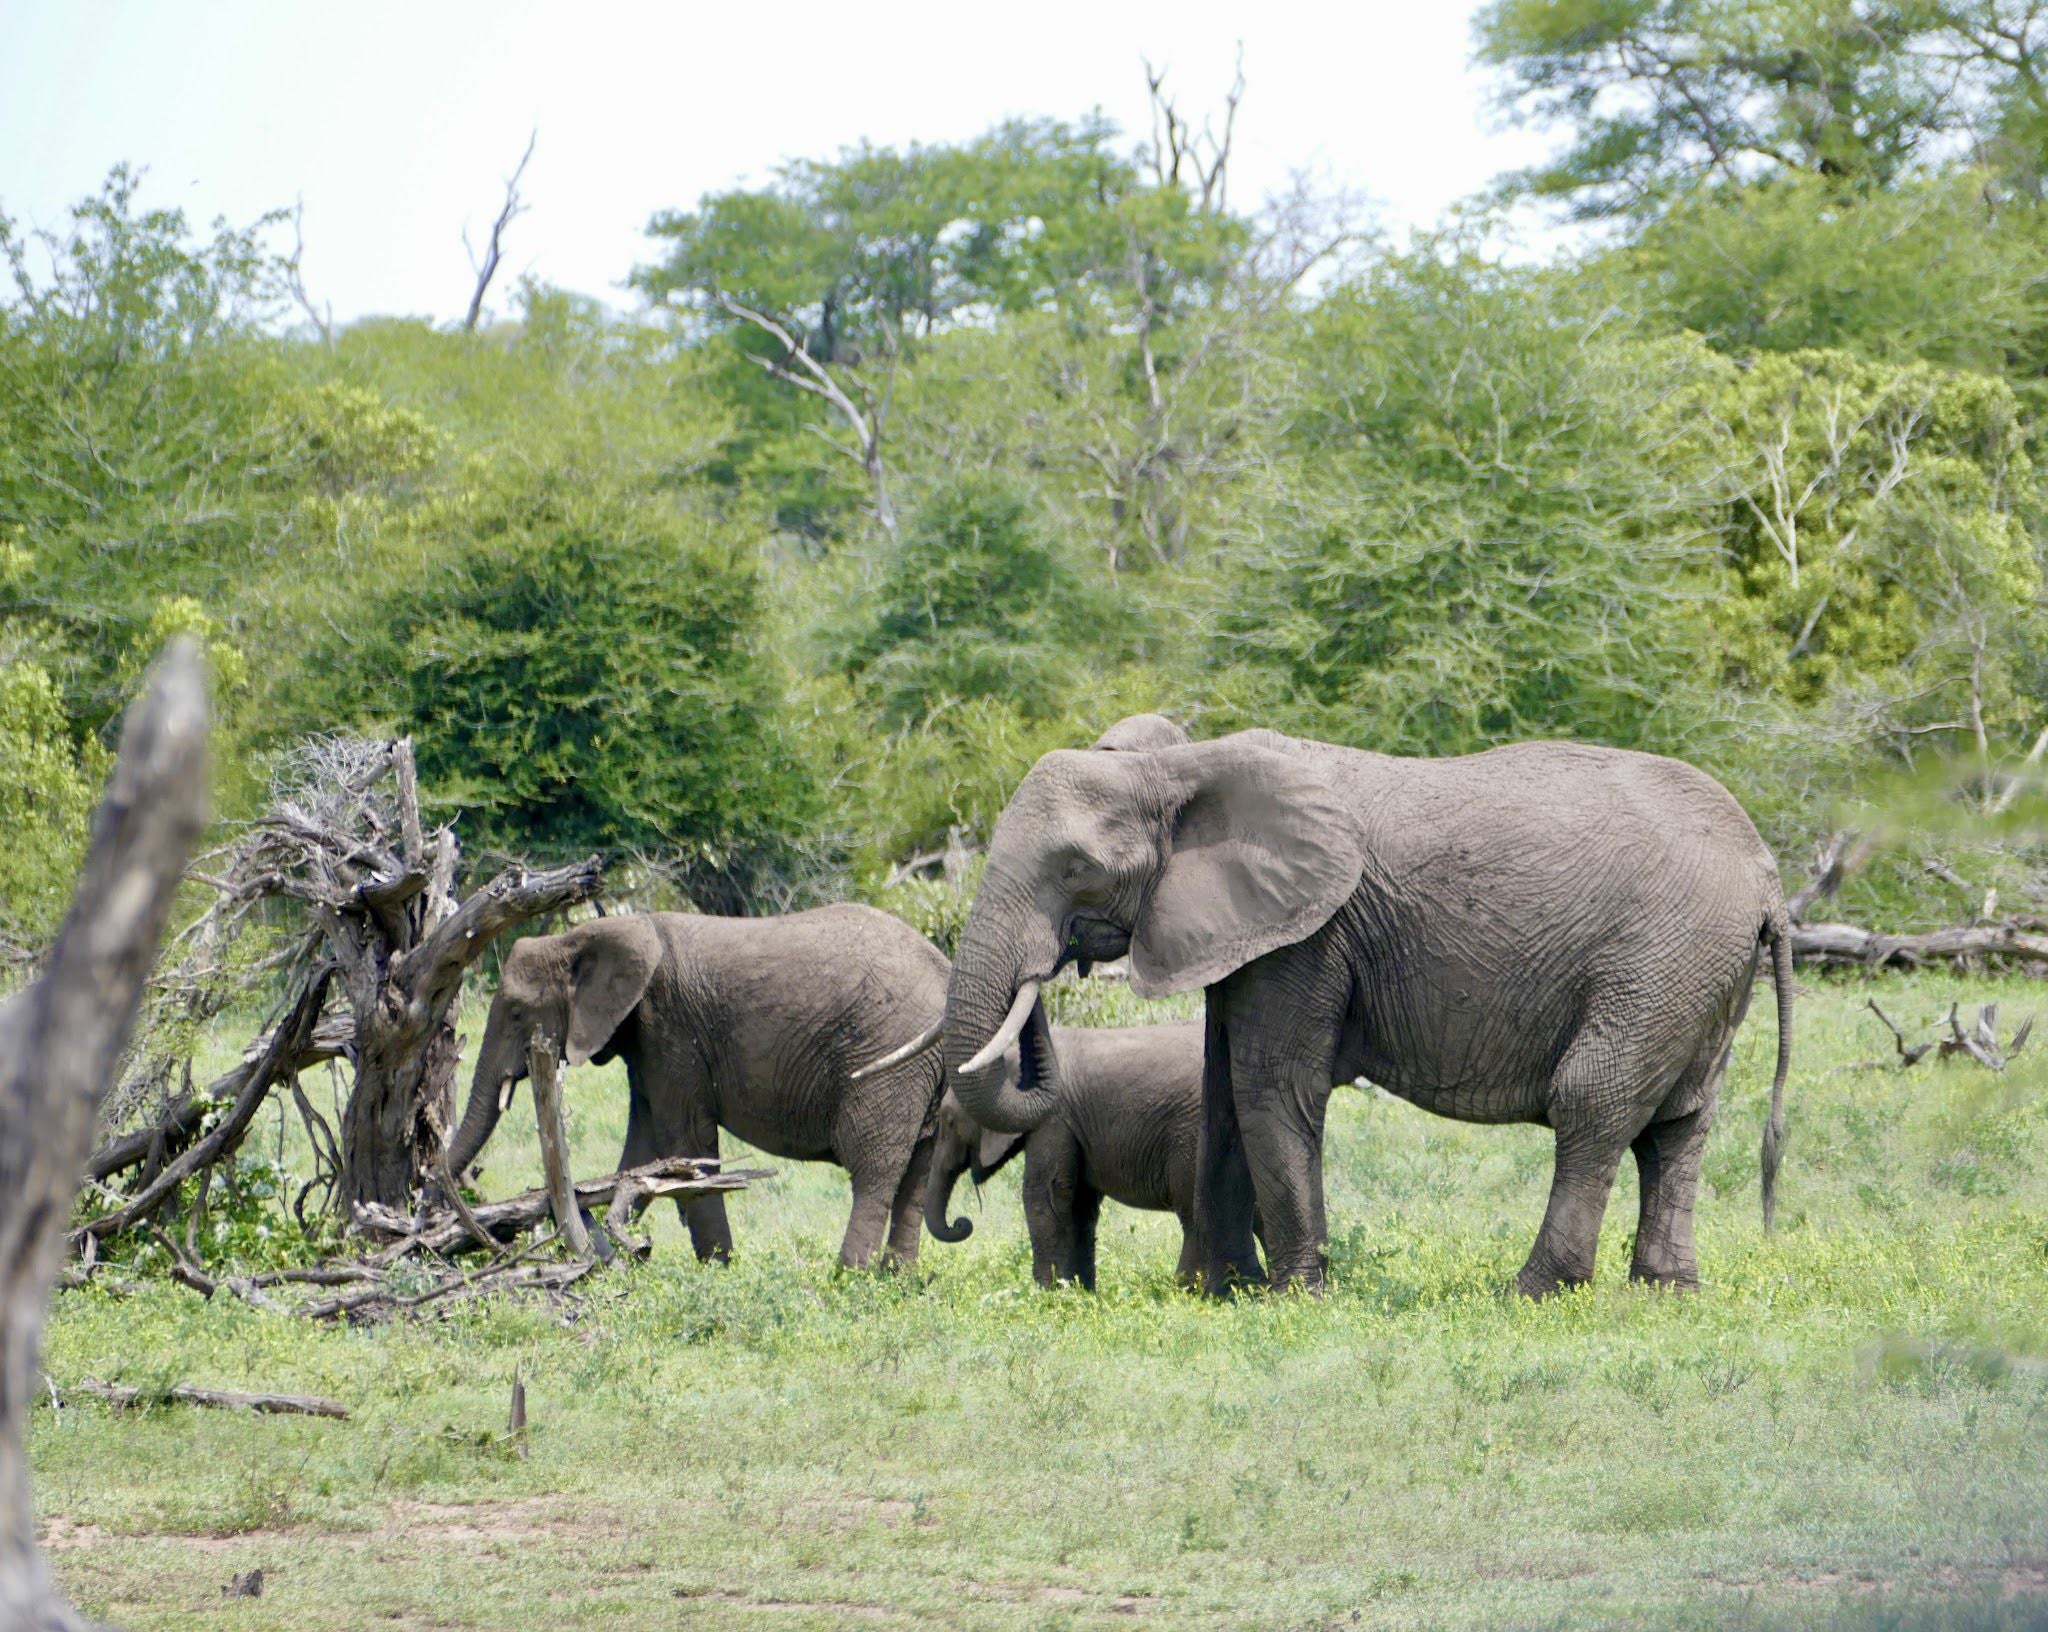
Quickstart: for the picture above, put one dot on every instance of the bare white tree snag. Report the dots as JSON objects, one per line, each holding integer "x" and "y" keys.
{"x": 1185, "y": 157}
{"x": 554, "y": 1143}
{"x": 796, "y": 366}
{"x": 486, "y": 267}
{"x": 60, "y": 1041}
{"x": 320, "y": 316}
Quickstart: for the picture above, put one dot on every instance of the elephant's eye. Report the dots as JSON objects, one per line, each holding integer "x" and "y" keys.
{"x": 1077, "y": 868}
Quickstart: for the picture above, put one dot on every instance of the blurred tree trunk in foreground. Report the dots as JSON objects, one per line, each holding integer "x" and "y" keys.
{"x": 60, "y": 1041}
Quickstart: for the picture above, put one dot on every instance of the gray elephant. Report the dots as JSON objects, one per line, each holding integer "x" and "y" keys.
{"x": 1549, "y": 933}
{"x": 1124, "y": 1122}
{"x": 754, "y": 1025}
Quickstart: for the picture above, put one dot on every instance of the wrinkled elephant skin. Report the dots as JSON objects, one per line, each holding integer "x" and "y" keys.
{"x": 1124, "y": 1123}
{"x": 1549, "y": 932}
{"x": 753, "y": 1025}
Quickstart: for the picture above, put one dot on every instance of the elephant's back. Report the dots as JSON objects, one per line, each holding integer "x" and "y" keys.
{"x": 1513, "y": 895}
{"x": 845, "y": 947}
{"x": 1618, "y": 826}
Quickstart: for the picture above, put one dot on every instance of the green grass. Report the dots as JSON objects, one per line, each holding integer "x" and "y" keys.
{"x": 1849, "y": 1426}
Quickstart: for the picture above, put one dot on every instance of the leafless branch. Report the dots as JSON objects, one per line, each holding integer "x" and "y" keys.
{"x": 796, "y": 366}
{"x": 487, "y": 267}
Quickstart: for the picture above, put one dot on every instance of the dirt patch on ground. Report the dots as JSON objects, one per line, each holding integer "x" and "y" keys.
{"x": 849, "y": 1511}
{"x": 62, "y": 1535}
{"x": 1013, "y": 1592}
{"x": 524, "y": 1519}
{"x": 840, "y": 1607}
{"x": 2028, "y": 1580}
{"x": 459, "y": 1523}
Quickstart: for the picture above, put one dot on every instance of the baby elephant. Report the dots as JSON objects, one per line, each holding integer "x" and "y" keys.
{"x": 756, "y": 1025}
{"x": 1124, "y": 1124}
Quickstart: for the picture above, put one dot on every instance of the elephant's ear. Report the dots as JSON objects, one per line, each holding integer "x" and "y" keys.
{"x": 1142, "y": 733}
{"x": 1260, "y": 851}
{"x": 607, "y": 979}
{"x": 994, "y": 1150}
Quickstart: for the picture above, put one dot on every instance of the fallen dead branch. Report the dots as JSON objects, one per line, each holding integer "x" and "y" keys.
{"x": 1846, "y": 945}
{"x": 441, "y": 1232}
{"x": 294, "y": 1405}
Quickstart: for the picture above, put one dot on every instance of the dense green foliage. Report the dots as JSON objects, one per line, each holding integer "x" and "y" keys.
{"x": 922, "y": 461}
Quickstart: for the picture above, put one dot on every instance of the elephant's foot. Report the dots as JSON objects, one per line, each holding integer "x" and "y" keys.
{"x": 1540, "y": 1278}
{"x": 1223, "y": 1280}
{"x": 1310, "y": 1274}
{"x": 1671, "y": 1278}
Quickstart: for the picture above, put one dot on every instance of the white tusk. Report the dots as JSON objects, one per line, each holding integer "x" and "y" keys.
{"x": 917, "y": 1045}
{"x": 506, "y": 1089}
{"x": 1006, "y": 1034}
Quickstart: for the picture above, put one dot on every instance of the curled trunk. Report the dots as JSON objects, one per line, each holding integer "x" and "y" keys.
{"x": 1006, "y": 943}
{"x": 948, "y": 1163}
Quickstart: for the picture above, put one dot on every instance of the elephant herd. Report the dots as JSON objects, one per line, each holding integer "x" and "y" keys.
{"x": 1550, "y": 932}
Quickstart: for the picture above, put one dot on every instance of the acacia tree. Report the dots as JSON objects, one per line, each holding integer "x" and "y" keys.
{"x": 1661, "y": 94}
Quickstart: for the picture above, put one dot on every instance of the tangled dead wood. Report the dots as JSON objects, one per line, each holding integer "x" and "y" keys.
{"x": 373, "y": 962}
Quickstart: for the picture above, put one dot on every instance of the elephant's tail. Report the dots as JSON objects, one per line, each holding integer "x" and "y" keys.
{"x": 1777, "y": 929}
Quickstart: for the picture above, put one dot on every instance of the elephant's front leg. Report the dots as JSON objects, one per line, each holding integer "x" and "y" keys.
{"x": 1281, "y": 1083}
{"x": 682, "y": 1127}
{"x": 1221, "y": 1248}
{"x": 1052, "y": 1201}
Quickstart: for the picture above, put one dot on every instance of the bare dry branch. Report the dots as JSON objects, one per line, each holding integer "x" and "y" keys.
{"x": 487, "y": 267}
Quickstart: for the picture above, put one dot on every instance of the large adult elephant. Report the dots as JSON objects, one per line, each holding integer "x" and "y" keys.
{"x": 1124, "y": 1122}
{"x": 1549, "y": 933}
{"x": 755, "y": 1025}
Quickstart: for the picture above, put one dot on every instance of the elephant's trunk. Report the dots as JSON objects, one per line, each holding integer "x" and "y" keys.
{"x": 949, "y": 1161}
{"x": 489, "y": 1093}
{"x": 1006, "y": 949}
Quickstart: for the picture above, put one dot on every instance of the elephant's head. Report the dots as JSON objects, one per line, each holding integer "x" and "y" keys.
{"x": 576, "y": 988}
{"x": 1195, "y": 858}
{"x": 962, "y": 1146}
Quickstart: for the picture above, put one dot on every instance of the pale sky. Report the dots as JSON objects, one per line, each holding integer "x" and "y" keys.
{"x": 397, "y": 123}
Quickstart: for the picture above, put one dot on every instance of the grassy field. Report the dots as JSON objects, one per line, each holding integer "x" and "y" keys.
{"x": 1848, "y": 1427}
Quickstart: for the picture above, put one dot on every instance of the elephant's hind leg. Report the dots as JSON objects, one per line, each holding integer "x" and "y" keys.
{"x": 1668, "y": 1155}
{"x": 1668, "y": 1165}
{"x": 1591, "y": 1095}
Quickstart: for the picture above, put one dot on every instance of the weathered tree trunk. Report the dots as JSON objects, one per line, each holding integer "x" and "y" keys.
{"x": 60, "y": 1041}
{"x": 403, "y": 993}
